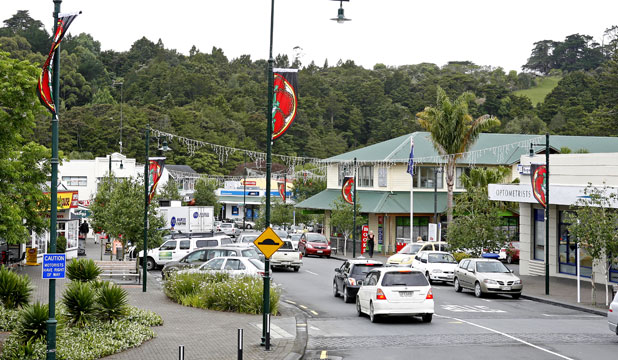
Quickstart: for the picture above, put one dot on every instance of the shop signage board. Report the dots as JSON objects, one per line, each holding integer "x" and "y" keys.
{"x": 268, "y": 242}
{"x": 560, "y": 194}
{"x": 364, "y": 238}
{"x": 54, "y": 266}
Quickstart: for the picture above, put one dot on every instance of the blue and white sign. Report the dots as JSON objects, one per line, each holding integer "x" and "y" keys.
{"x": 173, "y": 221}
{"x": 54, "y": 266}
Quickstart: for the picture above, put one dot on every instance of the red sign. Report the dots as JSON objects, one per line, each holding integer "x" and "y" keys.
{"x": 364, "y": 238}
{"x": 347, "y": 190}
{"x": 84, "y": 203}
{"x": 282, "y": 190}
{"x": 250, "y": 183}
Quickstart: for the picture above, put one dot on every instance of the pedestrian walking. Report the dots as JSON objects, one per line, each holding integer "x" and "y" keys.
{"x": 83, "y": 230}
{"x": 370, "y": 243}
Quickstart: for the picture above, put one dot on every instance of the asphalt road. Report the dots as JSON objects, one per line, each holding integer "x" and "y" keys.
{"x": 464, "y": 327}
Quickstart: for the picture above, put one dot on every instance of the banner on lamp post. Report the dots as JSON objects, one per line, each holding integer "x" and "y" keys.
{"x": 155, "y": 170}
{"x": 538, "y": 178}
{"x": 285, "y": 100}
{"x": 347, "y": 190}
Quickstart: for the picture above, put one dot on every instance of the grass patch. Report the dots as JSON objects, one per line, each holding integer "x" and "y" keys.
{"x": 544, "y": 86}
{"x": 243, "y": 294}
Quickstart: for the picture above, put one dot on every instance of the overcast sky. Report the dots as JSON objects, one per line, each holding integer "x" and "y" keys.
{"x": 392, "y": 32}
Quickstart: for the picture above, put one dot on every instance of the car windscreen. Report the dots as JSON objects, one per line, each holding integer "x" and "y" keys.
{"x": 491, "y": 267}
{"x": 206, "y": 243}
{"x": 441, "y": 259}
{"x": 403, "y": 278}
{"x": 410, "y": 249}
{"x": 295, "y": 237}
{"x": 252, "y": 253}
{"x": 226, "y": 225}
{"x": 317, "y": 238}
{"x": 359, "y": 270}
{"x": 258, "y": 264}
{"x": 249, "y": 238}
{"x": 226, "y": 241}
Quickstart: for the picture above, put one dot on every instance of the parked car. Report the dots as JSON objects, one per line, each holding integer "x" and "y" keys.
{"x": 233, "y": 265}
{"x": 248, "y": 223}
{"x": 405, "y": 256}
{"x": 286, "y": 257}
{"x": 247, "y": 237}
{"x": 230, "y": 229}
{"x": 294, "y": 238}
{"x": 347, "y": 276}
{"x": 612, "y": 315}
{"x": 314, "y": 244}
{"x": 198, "y": 257}
{"x": 486, "y": 276}
{"x": 510, "y": 252}
{"x": 391, "y": 291}
{"x": 175, "y": 249}
{"x": 436, "y": 265}
{"x": 281, "y": 233}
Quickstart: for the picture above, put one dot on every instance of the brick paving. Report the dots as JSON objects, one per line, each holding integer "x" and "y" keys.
{"x": 205, "y": 334}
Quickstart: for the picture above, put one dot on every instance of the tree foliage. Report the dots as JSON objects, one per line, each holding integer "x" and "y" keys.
{"x": 342, "y": 218}
{"x": 204, "y": 194}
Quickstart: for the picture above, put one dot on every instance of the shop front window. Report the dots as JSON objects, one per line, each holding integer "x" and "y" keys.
{"x": 567, "y": 251}
{"x": 539, "y": 234}
{"x": 421, "y": 227}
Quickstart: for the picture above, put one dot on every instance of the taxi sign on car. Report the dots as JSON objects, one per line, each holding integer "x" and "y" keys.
{"x": 268, "y": 242}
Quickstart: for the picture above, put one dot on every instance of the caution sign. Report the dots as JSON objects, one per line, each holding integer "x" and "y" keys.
{"x": 268, "y": 242}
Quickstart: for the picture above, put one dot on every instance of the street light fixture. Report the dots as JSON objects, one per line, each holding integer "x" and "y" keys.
{"x": 340, "y": 19}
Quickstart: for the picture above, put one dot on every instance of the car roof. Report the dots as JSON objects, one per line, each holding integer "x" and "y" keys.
{"x": 433, "y": 252}
{"x": 395, "y": 269}
{"x": 364, "y": 262}
{"x": 484, "y": 260}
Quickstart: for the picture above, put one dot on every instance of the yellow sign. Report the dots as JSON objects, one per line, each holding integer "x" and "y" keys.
{"x": 31, "y": 256}
{"x": 268, "y": 242}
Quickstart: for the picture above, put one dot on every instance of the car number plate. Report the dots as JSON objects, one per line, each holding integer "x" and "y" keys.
{"x": 505, "y": 288}
{"x": 319, "y": 251}
{"x": 406, "y": 293}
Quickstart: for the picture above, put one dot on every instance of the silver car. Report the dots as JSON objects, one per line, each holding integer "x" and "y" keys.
{"x": 612, "y": 315}
{"x": 486, "y": 276}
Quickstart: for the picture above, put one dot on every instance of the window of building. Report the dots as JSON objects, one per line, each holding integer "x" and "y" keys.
{"x": 458, "y": 172}
{"x": 539, "y": 234}
{"x": 344, "y": 171}
{"x": 567, "y": 251}
{"x": 382, "y": 177}
{"x": 421, "y": 227}
{"x": 75, "y": 180}
{"x": 234, "y": 210}
{"x": 425, "y": 176}
{"x": 510, "y": 228}
{"x": 365, "y": 176}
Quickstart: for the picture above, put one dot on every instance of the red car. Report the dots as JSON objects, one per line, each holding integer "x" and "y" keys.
{"x": 314, "y": 244}
{"x": 510, "y": 253}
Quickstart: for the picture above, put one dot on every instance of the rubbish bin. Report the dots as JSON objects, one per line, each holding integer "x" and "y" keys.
{"x": 119, "y": 253}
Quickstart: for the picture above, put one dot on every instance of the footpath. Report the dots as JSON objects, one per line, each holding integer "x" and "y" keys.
{"x": 562, "y": 291}
{"x": 204, "y": 334}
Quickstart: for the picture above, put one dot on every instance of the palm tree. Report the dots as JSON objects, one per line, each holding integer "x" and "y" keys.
{"x": 453, "y": 132}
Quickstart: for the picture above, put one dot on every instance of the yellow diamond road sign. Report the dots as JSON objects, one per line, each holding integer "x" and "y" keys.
{"x": 268, "y": 242}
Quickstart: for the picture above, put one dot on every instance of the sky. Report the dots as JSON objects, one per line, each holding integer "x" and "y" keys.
{"x": 390, "y": 32}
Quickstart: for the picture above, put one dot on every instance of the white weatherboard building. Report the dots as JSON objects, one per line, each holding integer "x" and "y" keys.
{"x": 569, "y": 175}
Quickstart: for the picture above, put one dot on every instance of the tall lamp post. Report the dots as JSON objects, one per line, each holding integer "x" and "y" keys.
{"x": 436, "y": 171}
{"x": 147, "y": 203}
{"x": 121, "y": 83}
{"x": 354, "y": 215}
{"x": 110, "y": 165}
{"x": 546, "y": 145}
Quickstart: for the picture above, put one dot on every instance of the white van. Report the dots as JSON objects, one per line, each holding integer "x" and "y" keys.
{"x": 174, "y": 249}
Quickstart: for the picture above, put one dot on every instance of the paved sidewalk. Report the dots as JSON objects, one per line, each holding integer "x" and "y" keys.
{"x": 205, "y": 334}
{"x": 562, "y": 291}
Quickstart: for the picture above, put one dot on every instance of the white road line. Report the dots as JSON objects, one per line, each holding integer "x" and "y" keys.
{"x": 571, "y": 315}
{"x": 508, "y": 336}
{"x": 312, "y": 273}
{"x": 276, "y": 332}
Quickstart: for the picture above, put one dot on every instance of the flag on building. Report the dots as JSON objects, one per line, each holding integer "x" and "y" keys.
{"x": 411, "y": 158}
{"x": 285, "y": 100}
{"x": 347, "y": 190}
{"x": 44, "y": 86}
{"x": 155, "y": 170}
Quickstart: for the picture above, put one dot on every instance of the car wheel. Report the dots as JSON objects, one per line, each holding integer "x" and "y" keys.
{"x": 372, "y": 316}
{"x": 516, "y": 296}
{"x": 428, "y": 278}
{"x": 335, "y": 292}
{"x": 346, "y": 296}
{"x": 358, "y": 307}
{"x": 427, "y": 317}
{"x": 150, "y": 264}
{"x": 296, "y": 268}
{"x": 249, "y": 226}
{"x": 457, "y": 285}
{"x": 509, "y": 259}
{"x": 478, "y": 292}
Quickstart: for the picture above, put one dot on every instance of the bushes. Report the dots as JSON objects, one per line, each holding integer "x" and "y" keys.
{"x": 33, "y": 322}
{"x": 111, "y": 302}
{"x": 221, "y": 292}
{"x": 15, "y": 290}
{"x": 460, "y": 256}
{"x": 79, "y": 300}
{"x": 83, "y": 270}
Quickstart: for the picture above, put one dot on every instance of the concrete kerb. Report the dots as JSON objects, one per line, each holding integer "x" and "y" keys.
{"x": 565, "y": 305}
{"x": 300, "y": 341}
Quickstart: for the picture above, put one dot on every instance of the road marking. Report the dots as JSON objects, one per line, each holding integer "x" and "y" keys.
{"x": 303, "y": 306}
{"x": 508, "y": 336}
{"x": 314, "y": 312}
{"x": 486, "y": 300}
{"x": 276, "y": 332}
{"x": 291, "y": 302}
{"x": 574, "y": 315}
{"x": 324, "y": 354}
{"x": 312, "y": 273}
{"x": 470, "y": 308}
{"x": 314, "y": 328}
{"x": 455, "y": 322}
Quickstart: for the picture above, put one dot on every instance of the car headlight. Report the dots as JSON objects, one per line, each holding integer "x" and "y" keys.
{"x": 406, "y": 259}
{"x": 517, "y": 282}
{"x": 490, "y": 281}
{"x": 309, "y": 246}
{"x": 436, "y": 271}
{"x": 352, "y": 281}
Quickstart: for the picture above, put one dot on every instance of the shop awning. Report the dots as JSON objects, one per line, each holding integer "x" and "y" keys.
{"x": 251, "y": 200}
{"x": 379, "y": 202}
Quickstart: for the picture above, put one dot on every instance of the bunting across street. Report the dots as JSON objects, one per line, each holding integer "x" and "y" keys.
{"x": 44, "y": 86}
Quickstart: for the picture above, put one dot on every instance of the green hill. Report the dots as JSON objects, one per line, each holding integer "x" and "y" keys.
{"x": 537, "y": 94}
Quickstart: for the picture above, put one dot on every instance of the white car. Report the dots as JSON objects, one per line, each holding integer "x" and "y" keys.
{"x": 436, "y": 265}
{"x": 612, "y": 315}
{"x": 392, "y": 291}
{"x": 234, "y": 265}
{"x": 230, "y": 229}
{"x": 176, "y": 248}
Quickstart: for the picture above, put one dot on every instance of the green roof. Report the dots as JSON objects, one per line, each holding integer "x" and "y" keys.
{"x": 379, "y": 202}
{"x": 490, "y": 149}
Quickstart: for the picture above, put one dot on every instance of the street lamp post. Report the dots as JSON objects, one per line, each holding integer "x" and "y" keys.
{"x": 121, "y": 83}
{"x": 354, "y": 216}
{"x": 244, "y": 191}
{"x": 546, "y": 207}
{"x": 436, "y": 171}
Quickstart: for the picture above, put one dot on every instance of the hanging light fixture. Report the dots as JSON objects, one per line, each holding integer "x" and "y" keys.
{"x": 340, "y": 19}
{"x": 165, "y": 147}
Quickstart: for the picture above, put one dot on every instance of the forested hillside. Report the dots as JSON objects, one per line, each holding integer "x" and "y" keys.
{"x": 207, "y": 96}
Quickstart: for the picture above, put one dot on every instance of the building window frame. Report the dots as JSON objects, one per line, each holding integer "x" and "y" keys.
{"x": 567, "y": 250}
{"x": 424, "y": 177}
{"x": 344, "y": 170}
{"x": 382, "y": 177}
{"x": 539, "y": 242}
{"x": 460, "y": 170}
{"x": 365, "y": 176}
{"x": 80, "y": 181}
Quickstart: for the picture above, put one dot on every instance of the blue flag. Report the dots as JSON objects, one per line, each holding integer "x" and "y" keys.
{"x": 411, "y": 160}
